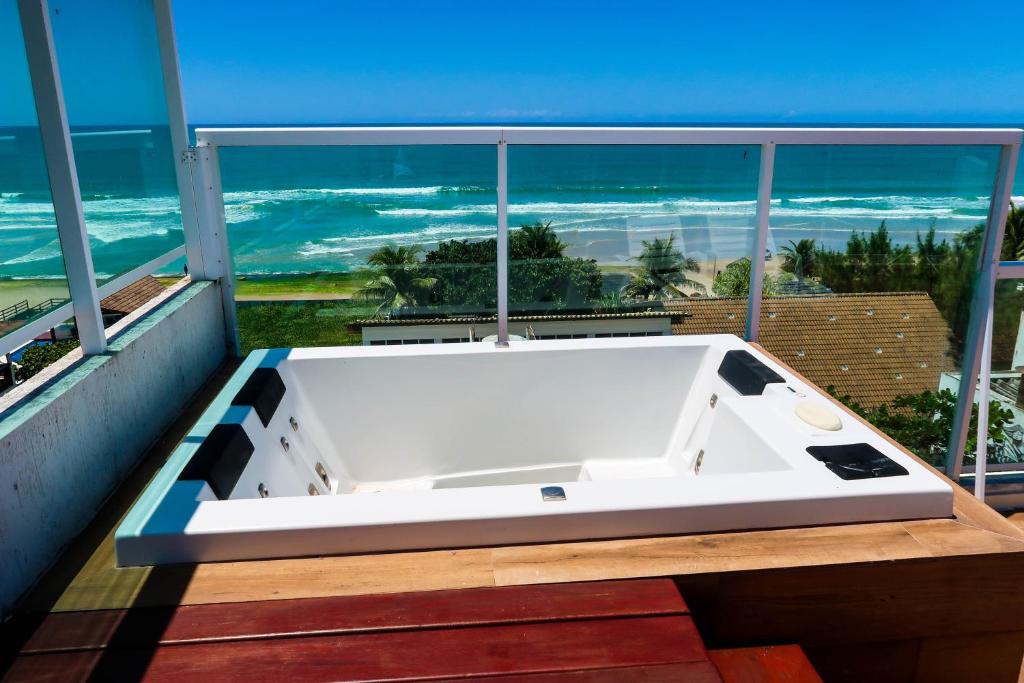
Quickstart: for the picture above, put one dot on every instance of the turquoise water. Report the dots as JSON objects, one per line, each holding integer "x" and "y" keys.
{"x": 324, "y": 209}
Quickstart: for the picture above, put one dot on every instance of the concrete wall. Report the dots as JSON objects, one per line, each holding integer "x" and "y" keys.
{"x": 65, "y": 446}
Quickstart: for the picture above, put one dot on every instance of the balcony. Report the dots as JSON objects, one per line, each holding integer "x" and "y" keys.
{"x": 503, "y": 311}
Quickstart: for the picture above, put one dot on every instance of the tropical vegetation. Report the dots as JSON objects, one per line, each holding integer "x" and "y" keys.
{"x": 35, "y": 358}
{"x": 395, "y": 283}
{"x": 661, "y": 272}
{"x": 461, "y": 275}
{"x": 923, "y": 422}
{"x": 734, "y": 280}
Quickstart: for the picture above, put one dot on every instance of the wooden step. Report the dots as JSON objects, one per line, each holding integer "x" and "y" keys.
{"x": 599, "y": 631}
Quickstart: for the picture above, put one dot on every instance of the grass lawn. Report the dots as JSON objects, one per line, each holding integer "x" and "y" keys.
{"x": 338, "y": 284}
{"x": 269, "y": 325}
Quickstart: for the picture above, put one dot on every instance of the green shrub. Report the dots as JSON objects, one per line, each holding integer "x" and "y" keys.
{"x": 36, "y": 358}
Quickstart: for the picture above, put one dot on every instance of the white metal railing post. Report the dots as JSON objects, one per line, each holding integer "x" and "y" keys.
{"x": 503, "y": 264}
{"x": 63, "y": 174}
{"x": 981, "y": 306}
{"x": 984, "y": 379}
{"x": 214, "y": 236}
{"x": 184, "y": 156}
{"x": 764, "y": 202}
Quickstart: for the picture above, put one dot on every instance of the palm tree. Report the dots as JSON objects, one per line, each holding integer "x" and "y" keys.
{"x": 1013, "y": 238}
{"x": 536, "y": 242}
{"x": 394, "y": 282}
{"x": 929, "y": 257}
{"x": 662, "y": 271}
{"x": 799, "y": 258}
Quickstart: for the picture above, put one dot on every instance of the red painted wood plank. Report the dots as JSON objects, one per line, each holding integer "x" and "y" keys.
{"x": 686, "y": 672}
{"x": 149, "y": 627}
{"x": 764, "y": 665}
{"x": 390, "y": 656}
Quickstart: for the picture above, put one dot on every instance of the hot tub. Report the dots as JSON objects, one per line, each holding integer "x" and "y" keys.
{"x": 359, "y": 449}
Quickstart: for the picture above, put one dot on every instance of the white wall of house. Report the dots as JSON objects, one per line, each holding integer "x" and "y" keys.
{"x": 439, "y": 333}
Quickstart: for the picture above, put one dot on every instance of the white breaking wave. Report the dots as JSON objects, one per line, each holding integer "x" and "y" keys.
{"x": 435, "y": 233}
{"x": 316, "y": 249}
{"x": 318, "y": 193}
{"x": 107, "y": 220}
{"x": 43, "y": 253}
{"x": 437, "y": 213}
{"x": 914, "y": 207}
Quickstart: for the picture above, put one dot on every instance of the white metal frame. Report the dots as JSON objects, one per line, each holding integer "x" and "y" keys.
{"x": 982, "y": 302}
{"x": 177, "y": 122}
{"x": 547, "y": 135}
{"x": 501, "y": 207}
{"x": 60, "y": 166}
{"x": 764, "y": 204}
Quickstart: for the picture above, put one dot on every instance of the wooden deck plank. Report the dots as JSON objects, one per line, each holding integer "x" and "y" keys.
{"x": 764, "y": 665}
{"x": 944, "y": 537}
{"x": 677, "y": 555}
{"x": 102, "y": 586}
{"x": 402, "y": 655}
{"x": 150, "y": 627}
{"x": 690, "y": 672}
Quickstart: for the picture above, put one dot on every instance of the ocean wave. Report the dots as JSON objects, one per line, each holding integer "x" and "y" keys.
{"x": 46, "y": 252}
{"x": 805, "y": 207}
{"x": 435, "y": 233}
{"x": 436, "y": 213}
{"x": 317, "y": 249}
{"x": 318, "y": 193}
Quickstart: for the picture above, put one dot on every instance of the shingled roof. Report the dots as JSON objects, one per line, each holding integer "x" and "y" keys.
{"x": 133, "y": 296}
{"x": 873, "y": 347}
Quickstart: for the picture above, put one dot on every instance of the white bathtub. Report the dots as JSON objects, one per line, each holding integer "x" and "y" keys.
{"x": 401, "y": 447}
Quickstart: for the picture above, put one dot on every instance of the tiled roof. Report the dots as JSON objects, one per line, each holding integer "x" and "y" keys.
{"x": 133, "y": 296}
{"x": 873, "y": 347}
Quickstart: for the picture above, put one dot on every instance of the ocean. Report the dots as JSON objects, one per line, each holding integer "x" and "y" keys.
{"x": 298, "y": 210}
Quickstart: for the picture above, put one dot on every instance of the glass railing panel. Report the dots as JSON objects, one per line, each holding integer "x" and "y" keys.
{"x": 874, "y": 255}
{"x": 1006, "y": 398}
{"x": 362, "y": 245}
{"x": 113, "y": 90}
{"x": 32, "y": 279}
{"x": 647, "y": 238}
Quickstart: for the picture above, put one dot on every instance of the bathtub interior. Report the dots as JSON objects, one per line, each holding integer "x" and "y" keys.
{"x": 370, "y": 423}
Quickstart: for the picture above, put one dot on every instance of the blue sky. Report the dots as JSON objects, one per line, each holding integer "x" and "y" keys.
{"x": 437, "y": 61}
{"x": 642, "y": 60}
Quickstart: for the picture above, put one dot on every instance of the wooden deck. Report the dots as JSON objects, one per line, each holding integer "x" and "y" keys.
{"x": 901, "y": 601}
{"x": 617, "y": 631}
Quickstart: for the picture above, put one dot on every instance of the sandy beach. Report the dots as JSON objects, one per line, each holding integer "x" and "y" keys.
{"x": 33, "y": 291}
